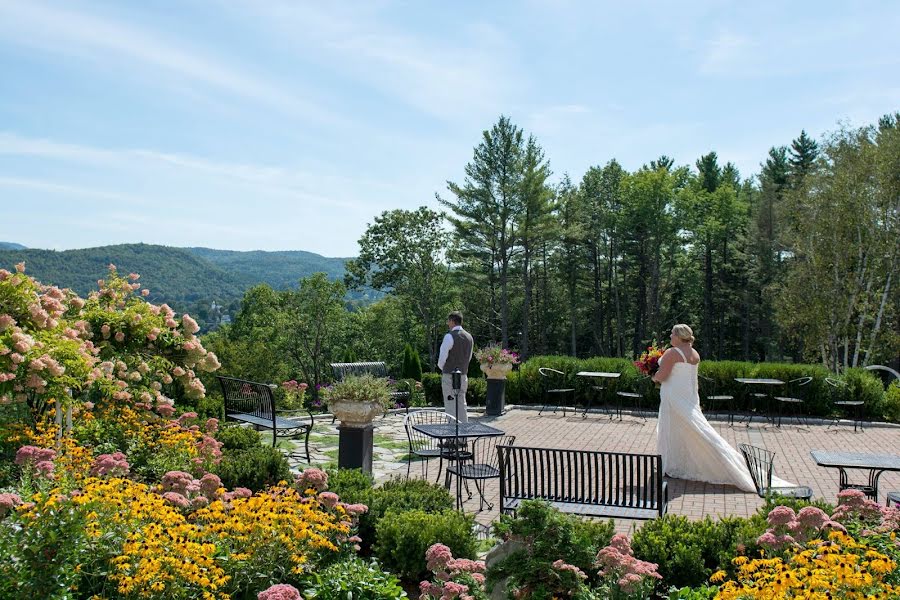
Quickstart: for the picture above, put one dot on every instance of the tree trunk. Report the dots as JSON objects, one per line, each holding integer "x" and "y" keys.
{"x": 708, "y": 301}
{"x": 526, "y": 301}
{"x": 877, "y": 326}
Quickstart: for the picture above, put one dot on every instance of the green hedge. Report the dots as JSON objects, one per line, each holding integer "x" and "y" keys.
{"x": 523, "y": 386}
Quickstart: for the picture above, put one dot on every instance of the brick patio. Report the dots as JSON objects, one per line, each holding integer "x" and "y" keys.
{"x": 693, "y": 499}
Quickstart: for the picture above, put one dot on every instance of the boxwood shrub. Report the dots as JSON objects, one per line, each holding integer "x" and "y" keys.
{"x": 403, "y": 538}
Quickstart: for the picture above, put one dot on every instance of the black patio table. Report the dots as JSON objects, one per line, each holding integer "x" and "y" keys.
{"x": 763, "y": 382}
{"x": 450, "y": 431}
{"x": 599, "y": 388}
{"x": 875, "y": 463}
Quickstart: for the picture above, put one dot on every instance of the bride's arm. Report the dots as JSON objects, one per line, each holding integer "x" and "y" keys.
{"x": 666, "y": 362}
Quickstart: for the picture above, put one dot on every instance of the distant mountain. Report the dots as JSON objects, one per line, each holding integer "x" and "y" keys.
{"x": 11, "y": 246}
{"x": 172, "y": 274}
{"x": 281, "y": 270}
{"x": 205, "y": 282}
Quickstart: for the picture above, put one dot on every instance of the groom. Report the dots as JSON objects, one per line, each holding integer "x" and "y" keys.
{"x": 455, "y": 353}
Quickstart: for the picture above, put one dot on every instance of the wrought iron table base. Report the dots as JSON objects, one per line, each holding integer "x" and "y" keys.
{"x": 870, "y": 489}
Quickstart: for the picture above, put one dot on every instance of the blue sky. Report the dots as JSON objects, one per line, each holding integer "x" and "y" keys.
{"x": 290, "y": 125}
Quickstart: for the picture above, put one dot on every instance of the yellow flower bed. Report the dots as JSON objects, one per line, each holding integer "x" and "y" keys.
{"x": 839, "y": 567}
{"x": 154, "y": 550}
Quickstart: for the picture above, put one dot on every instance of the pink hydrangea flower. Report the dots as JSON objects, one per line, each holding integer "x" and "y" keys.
{"x": 114, "y": 465}
{"x": 313, "y": 478}
{"x": 8, "y": 501}
{"x": 329, "y": 499}
{"x": 176, "y": 499}
{"x": 280, "y": 591}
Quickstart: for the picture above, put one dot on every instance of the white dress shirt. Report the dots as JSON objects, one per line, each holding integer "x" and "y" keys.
{"x": 446, "y": 345}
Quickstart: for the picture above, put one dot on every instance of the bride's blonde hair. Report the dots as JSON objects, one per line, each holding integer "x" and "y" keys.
{"x": 684, "y": 332}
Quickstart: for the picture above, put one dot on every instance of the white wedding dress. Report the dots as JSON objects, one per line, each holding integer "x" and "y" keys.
{"x": 690, "y": 448}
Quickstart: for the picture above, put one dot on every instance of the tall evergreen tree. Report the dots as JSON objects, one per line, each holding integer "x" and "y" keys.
{"x": 485, "y": 211}
{"x": 535, "y": 226}
{"x": 803, "y": 154}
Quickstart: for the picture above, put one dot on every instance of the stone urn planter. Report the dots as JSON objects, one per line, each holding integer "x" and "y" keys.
{"x": 355, "y": 401}
{"x": 353, "y": 413}
{"x": 497, "y": 371}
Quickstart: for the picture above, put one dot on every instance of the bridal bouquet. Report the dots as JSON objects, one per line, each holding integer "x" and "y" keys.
{"x": 648, "y": 363}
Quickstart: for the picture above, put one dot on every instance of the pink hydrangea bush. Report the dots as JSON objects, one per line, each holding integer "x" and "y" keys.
{"x": 54, "y": 344}
{"x": 37, "y": 461}
{"x": 789, "y": 529}
{"x": 452, "y": 577}
{"x": 624, "y": 575}
{"x": 854, "y": 509}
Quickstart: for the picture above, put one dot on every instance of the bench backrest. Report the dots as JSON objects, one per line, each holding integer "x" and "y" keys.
{"x": 341, "y": 370}
{"x": 582, "y": 477}
{"x": 247, "y": 397}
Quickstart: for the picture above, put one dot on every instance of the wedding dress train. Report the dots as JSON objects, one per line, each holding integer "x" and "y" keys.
{"x": 690, "y": 447}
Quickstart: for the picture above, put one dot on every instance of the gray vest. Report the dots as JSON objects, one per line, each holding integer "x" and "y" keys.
{"x": 461, "y": 352}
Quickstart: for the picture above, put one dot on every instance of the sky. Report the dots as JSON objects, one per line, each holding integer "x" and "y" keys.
{"x": 290, "y": 125}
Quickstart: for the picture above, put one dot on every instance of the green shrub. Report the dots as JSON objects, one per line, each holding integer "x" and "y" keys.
{"x": 254, "y": 469}
{"x": 890, "y": 406}
{"x": 687, "y": 552}
{"x": 866, "y": 386}
{"x": 699, "y": 593}
{"x": 353, "y": 579}
{"x": 550, "y": 535}
{"x": 403, "y": 538}
{"x": 411, "y": 366}
{"x": 524, "y": 387}
{"x": 235, "y": 437}
{"x": 431, "y": 385}
{"x": 352, "y": 485}
{"x": 400, "y": 495}
{"x": 476, "y": 395}
{"x": 211, "y": 406}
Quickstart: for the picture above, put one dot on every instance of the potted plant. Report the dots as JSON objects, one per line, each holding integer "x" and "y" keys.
{"x": 355, "y": 402}
{"x": 495, "y": 361}
{"x": 358, "y": 399}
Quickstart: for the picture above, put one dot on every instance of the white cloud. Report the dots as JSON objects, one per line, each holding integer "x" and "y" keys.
{"x": 69, "y": 190}
{"x": 456, "y": 78}
{"x": 70, "y": 33}
{"x": 283, "y": 181}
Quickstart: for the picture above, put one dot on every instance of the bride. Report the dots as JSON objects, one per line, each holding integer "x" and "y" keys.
{"x": 690, "y": 448}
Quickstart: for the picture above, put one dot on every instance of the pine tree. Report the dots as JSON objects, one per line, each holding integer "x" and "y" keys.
{"x": 804, "y": 151}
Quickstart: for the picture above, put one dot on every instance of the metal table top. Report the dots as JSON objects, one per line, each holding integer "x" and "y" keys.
{"x": 759, "y": 381}
{"x": 598, "y": 374}
{"x": 856, "y": 460}
{"x": 449, "y": 430}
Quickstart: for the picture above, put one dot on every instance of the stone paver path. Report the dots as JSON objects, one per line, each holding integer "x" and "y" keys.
{"x": 632, "y": 434}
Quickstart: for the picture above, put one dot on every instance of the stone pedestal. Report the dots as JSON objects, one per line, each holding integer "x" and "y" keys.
{"x": 496, "y": 397}
{"x": 355, "y": 447}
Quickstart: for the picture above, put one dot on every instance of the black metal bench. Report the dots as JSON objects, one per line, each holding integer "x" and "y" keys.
{"x": 378, "y": 369}
{"x": 594, "y": 484}
{"x": 253, "y": 403}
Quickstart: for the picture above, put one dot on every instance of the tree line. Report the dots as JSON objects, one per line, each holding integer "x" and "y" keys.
{"x": 798, "y": 262}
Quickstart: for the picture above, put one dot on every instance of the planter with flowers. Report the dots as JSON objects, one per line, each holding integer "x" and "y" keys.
{"x": 355, "y": 402}
{"x": 496, "y": 362}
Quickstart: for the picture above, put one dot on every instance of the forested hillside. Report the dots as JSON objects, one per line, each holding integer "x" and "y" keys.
{"x": 205, "y": 282}
{"x": 280, "y": 270}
